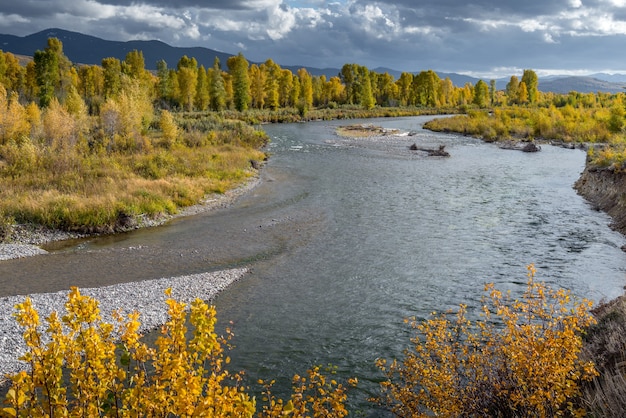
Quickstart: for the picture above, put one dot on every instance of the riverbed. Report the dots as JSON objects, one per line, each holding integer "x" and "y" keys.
{"x": 346, "y": 237}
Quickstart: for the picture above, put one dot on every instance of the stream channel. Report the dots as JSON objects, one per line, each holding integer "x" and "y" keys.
{"x": 347, "y": 237}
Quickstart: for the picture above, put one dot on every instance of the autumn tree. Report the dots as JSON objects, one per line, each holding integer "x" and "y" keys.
{"x": 425, "y": 88}
{"x": 616, "y": 118}
{"x": 366, "y": 96}
{"x": 448, "y": 93}
{"x": 169, "y": 129}
{"x": 217, "y": 88}
{"x": 13, "y": 120}
{"x": 91, "y": 86}
{"x": 202, "y": 89}
{"x": 349, "y": 74}
{"x": 522, "y": 93}
{"x": 12, "y": 74}
{"x": 163, "y": 86}
{"x": 134, "y": 64}
{"x": 335, "y": 90}
{"x": 257, "y": 86}
{"x": 529, "y": 77}
{"x": 238, "y": 68}
{"x": 272, "y": 73}
{"x": 47, "y": 74}
{"x": 187, "y": 76}
{"x": 512, "y": 90}
{"x": 112, "y": 68}
{"x": 52, "y": 71}
{"x": 404, "y": 88}
{"x": 386, "y": 89}
{"x": 306, "y": 89}
{"x": 481, "y": 94}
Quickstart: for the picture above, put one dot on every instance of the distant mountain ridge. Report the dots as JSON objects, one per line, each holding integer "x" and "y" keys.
{"x": 86, "y": 49}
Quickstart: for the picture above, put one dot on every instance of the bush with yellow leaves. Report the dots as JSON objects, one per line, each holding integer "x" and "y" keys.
{"x": 521, "y": 358}
{"x": 86, "y": 367}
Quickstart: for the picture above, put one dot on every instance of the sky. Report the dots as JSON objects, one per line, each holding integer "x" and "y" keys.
{"x": 483, "y": 38}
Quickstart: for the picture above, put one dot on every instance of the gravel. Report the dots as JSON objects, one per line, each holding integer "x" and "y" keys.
{"x": 25, "y": 239}
{"x": 146, "y": 297}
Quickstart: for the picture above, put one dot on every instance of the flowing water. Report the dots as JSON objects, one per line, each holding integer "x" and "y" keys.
{"x": 346, "y": 238}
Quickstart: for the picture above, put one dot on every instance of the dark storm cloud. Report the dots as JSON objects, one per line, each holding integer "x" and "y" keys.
{"x": 198, "y": 4}
{"x": 482, "y": 36}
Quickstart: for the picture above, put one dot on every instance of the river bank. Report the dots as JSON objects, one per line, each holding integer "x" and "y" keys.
{"x": 147, "y": 297}
{"x": 604, "y": 189}
{"x": 27, "y": 240}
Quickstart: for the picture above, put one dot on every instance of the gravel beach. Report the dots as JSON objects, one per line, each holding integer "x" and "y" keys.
{"x": 26, "y": 240}
{"x": 146, "y": 297}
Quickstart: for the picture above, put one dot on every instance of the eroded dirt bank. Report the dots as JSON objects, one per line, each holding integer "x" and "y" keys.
{"x": 606, "y": 190}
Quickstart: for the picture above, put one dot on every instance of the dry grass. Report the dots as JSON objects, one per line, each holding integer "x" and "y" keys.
{"x": 605, "y": 345}
{"x": 92, "y": 192}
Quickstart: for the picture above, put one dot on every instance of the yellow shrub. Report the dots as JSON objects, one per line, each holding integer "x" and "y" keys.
{"x": 521, "y": 359}
{"x": 85, "y": 367}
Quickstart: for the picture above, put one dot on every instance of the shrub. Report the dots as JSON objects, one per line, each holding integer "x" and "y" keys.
{"x": 86, "y": 367}
{"x": 522, "y": 358}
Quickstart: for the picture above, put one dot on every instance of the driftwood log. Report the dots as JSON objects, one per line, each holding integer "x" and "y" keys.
{"x": 440, "y": 152}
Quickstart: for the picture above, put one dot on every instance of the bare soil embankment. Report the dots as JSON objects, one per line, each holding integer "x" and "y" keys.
{"x": 606, "y": 190}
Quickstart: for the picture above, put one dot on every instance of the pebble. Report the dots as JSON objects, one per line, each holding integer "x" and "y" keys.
{"x": 147, "y": 297}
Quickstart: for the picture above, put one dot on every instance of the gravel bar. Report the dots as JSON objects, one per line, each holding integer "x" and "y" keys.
{"x": 146, "y": 297}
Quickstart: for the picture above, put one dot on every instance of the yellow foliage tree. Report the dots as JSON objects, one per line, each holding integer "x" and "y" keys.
{"x": 521, "y": 359}
{"x": 86, "y": 367}
{"x": 13, "y": 121}
{"x": 168, "y": 128}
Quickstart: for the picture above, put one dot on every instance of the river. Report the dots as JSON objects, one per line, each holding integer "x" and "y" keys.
{"x": 346, "y": 238}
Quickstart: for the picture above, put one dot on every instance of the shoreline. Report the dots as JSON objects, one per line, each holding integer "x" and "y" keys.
{"x": 27, "y": 239}
{"x": 147, "y": 297}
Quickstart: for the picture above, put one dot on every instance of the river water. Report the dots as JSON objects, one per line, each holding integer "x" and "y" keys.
{"x": 346, "y": 238}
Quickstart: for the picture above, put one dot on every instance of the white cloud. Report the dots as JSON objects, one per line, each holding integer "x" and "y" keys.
{"x": 9, "y": 19}
{"x": 153, "y": 16}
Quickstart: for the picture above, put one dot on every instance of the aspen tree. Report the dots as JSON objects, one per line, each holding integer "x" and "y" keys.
{"x": 238, "y": 68}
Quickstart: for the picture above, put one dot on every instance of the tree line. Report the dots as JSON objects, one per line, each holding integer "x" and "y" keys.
{"x": 240, "y": 85}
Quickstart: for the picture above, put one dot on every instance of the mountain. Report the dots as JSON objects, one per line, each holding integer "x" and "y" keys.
{"x": 580, "y": 84}
{"x": 613, "y": 78}
{"x": 85, "y": 49}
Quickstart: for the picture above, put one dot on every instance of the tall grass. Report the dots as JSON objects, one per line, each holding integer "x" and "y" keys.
{"x": 93, "y": 191}
{"x": 566, "y": 124}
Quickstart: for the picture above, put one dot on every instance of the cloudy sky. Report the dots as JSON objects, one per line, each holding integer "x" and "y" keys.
{"x": 485, "y": 38}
